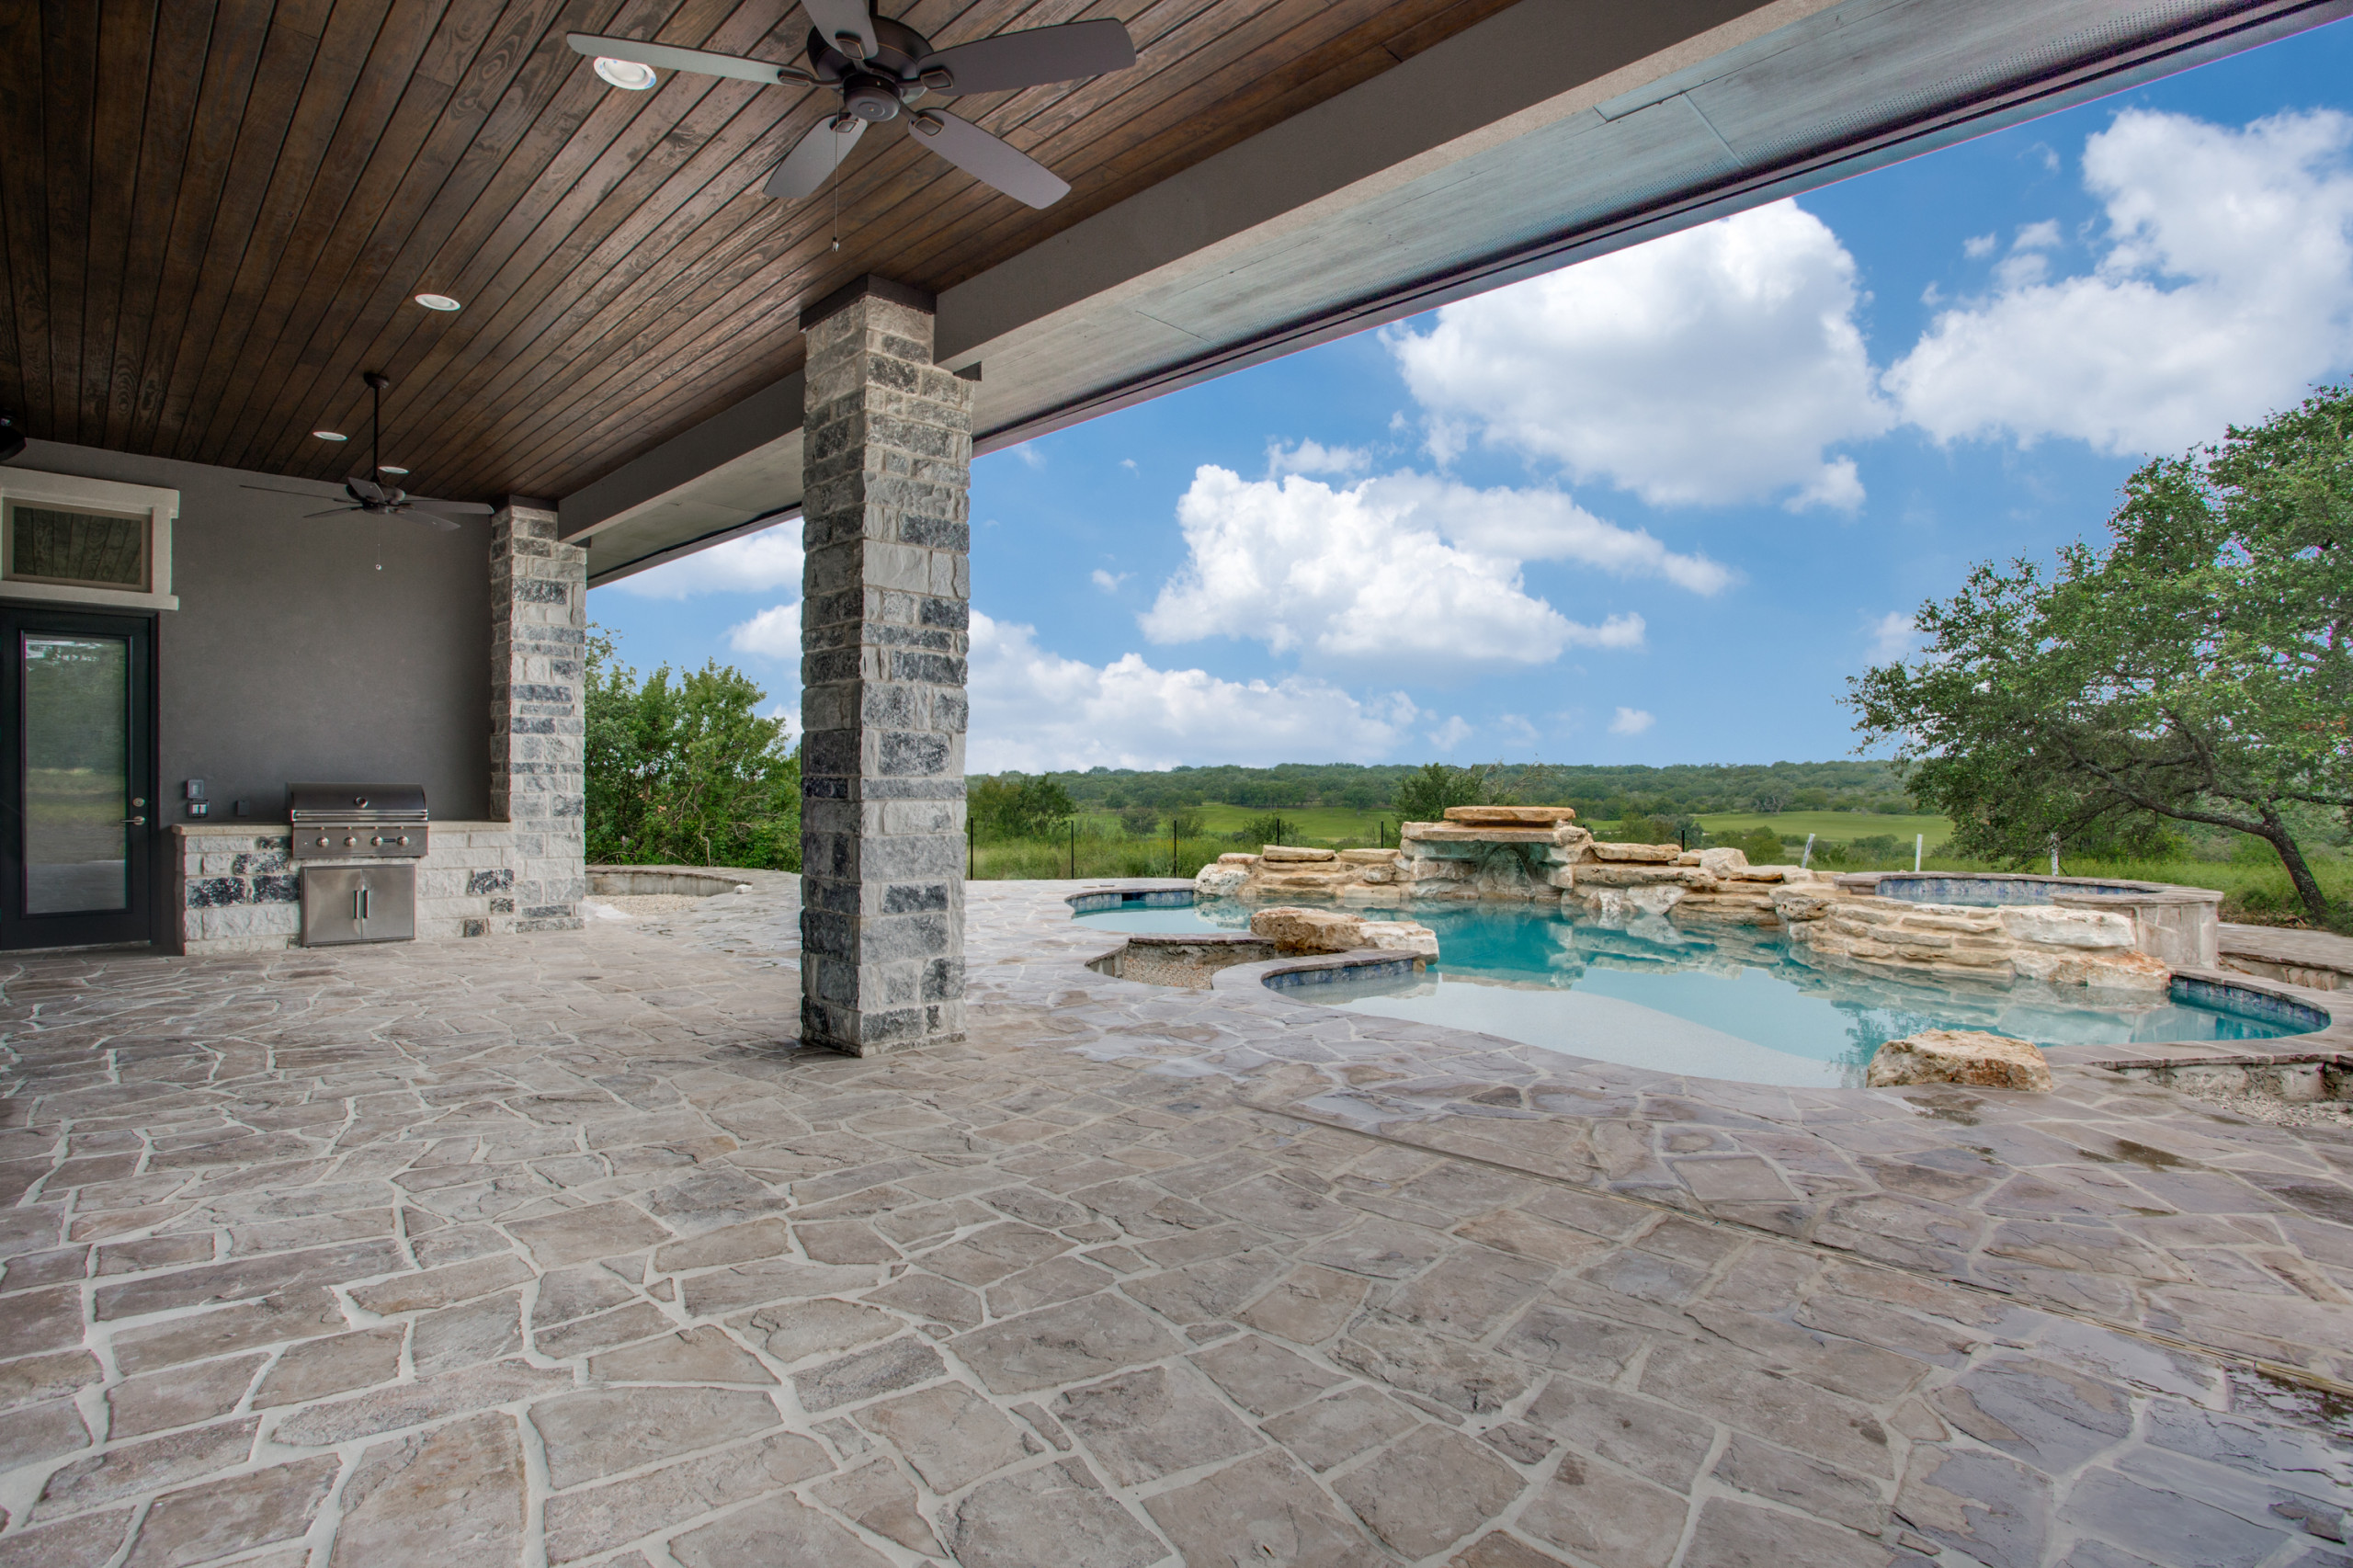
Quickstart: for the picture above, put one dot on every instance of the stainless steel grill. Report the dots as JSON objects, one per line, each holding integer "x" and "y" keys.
{"x": 356, "y": 822}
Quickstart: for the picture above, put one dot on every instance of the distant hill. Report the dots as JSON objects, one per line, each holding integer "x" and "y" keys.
{"x": 1599, "y": 794}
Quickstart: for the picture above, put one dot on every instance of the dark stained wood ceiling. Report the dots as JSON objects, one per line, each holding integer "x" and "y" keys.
{"x": 215, "y": 213}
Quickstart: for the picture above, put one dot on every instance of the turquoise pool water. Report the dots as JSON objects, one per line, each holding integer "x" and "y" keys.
{"x": 1736, "y": 1006}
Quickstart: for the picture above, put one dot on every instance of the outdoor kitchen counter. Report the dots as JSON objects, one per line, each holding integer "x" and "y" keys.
{"x": 235, "y": 888}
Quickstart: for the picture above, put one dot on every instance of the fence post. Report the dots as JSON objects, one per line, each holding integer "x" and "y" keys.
{"x": 971, "y": 848}
{"x": 1918, "y": 840}
{"x": 1172, "y": 844}
{"x": 1807, "y": 858}
{"x": 1073, "y": 849}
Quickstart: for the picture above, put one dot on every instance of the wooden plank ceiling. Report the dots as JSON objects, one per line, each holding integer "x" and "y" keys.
{"x": 216, "y": 213}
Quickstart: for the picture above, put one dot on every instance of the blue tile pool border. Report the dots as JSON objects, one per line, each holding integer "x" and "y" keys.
{"x": 2247, "y": 1003}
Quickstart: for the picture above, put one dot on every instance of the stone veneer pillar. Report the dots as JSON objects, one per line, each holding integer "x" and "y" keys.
{"x": 885, "y": 585}
{"x": 539, "y": 633}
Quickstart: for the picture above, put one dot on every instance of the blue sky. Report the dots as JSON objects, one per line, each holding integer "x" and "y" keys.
{"x": 1655, "y": 509}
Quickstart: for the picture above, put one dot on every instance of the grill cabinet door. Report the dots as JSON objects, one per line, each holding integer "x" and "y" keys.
{"x": 358, "y": 904}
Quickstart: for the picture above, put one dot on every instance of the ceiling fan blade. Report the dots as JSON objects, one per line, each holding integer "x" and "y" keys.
{"x": 454, "y": 508}
{"x": 330, "y": 512}
{"x": 432, "y": 519}
{"x": 1034, "y": 57}
{"x": 988, "y": 160}
{"x": 816, "y": 156}
{"x": 703, "y": 62}
{"x": 837, "y": 18}
{"x": 278, "y": 490}
{"x": 364, "y": 489}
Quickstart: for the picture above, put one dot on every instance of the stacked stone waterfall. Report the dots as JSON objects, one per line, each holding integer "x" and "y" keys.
{"x": 1538, "y": 853}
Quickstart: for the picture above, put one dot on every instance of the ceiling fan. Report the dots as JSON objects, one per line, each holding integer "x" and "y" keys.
{"x": 880, "y": 68}
{"x": 374, "y": 496}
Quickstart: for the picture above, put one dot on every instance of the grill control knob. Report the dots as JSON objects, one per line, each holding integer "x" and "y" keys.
{"x": 348, "y": 843}
{"x": 322, "y": 843}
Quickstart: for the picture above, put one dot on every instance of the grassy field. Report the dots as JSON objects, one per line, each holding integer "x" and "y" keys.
{"x": 1319, "y": 824}
{"x": 1843, "y": 827}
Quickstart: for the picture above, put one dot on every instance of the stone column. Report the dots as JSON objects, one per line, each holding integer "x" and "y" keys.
{"x": 539, "y": 633}
{"x": 885, "y": 582}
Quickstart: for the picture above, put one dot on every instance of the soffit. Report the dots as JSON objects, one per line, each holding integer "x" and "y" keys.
{"x": 217, "y": 211}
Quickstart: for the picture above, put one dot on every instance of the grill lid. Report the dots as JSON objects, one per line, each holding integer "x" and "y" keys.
{"x": 354, "y": 802}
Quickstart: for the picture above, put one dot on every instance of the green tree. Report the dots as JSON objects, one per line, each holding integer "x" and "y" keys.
{"x": 1012, "y": 805}
{"x": 2196, "y": 670}
{"x": 684, "y": 771}
{"x": 1424, "y": 794}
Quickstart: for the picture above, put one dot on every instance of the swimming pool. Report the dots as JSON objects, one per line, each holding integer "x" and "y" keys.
{"x": 1736, "y": 1006}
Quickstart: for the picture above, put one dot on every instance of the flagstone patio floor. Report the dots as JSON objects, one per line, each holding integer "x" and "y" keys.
{"x": 556, "y": 1249}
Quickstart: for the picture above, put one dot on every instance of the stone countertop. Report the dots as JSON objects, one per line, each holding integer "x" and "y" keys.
{"x": 254, "y": 827}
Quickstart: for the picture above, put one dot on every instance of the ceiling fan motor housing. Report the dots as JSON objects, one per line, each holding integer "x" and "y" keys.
{"x": 888, "y": 74}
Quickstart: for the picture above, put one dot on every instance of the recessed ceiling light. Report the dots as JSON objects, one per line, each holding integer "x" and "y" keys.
{"x": 625, "y": 74}
{"x": 331, "y": 434}
{"x": 388, "y": 468}
{"x": 436, "y": 302}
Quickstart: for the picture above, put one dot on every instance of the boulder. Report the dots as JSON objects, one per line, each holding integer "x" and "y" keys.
{"x": 1219, "y": 879}
{"x": 2129, "y": 971}
{"x": 1616, "y": 906}
{"x": 1959, "y": 1056}
{"x": 1605, "y": 875}
{"x": 2048, "y": 925}
{"x": 1720, "y": 861}
{"x": 1510, "y": 816}
{"x": 1292, "y": 852}
{"x": 1400, "y": 936}
{"x": 1644, "y": 853}
{"x": 1296, "y": 930}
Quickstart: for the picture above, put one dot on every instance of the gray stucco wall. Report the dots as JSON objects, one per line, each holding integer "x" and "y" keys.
{"x": 344, "y": 647}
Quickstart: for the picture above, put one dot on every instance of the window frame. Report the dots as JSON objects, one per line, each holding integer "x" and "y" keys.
{"x": 102, "y": 498}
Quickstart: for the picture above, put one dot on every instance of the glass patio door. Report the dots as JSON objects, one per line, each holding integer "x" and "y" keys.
{"x": 76, "y": 821}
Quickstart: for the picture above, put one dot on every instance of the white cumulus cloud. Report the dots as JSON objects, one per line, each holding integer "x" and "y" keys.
{"x": 1109, "y": 581}
{"x": 774, "y": 633}
{"x": 1450, "y": 734}
{"x": 1314, "y": 457}
{"x": 1033, "y": 710}
{"x": 1712, "y": 365}
{"x": 2222, "y": 288}
{"x": 754, "y": 563}
{"x": 1892, "y": 636}
{"x": 1631, "y": 722}
{"x": 1405, "y": 574}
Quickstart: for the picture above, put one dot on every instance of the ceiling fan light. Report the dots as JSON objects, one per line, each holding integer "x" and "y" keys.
{"x": 331, "y": 434}
{"x": 626, "y": 73}
{"x": 438, "y": 302}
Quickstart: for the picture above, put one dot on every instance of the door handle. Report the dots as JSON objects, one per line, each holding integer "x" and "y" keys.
{"x": 134, "y": 821}
{"x": 359, "y": 902}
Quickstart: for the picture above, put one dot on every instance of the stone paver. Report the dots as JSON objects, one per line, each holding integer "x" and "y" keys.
{"x": 555, "y": 1249}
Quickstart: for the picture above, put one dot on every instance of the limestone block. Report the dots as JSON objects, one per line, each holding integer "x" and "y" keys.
{"x": 1510, "y": 816}
{"x": 2050, "y": 927}
{"x": 1731, "y": 905}
{"x": 2126, "y": 970}
{"x": 1370, "y": 856}
{"x": 1796, "y": 903}
{"x": 1245, "y": 861}
{"x": 1440, "y": 849}
{"x": 1458, "y": 833}
{"x": 1618, "y": 905}
{"x": 1296, "y": 930}
{"x": 1632, "y": 854}
{"x": 1603, "y": 874}
{"x": 1720, "y": 861}
{"x": 1399, "y": 935}
{"x": 1218, "y": 879}
{"x": 1274, "y": 852}
{"x": 1959, "y": 1056}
